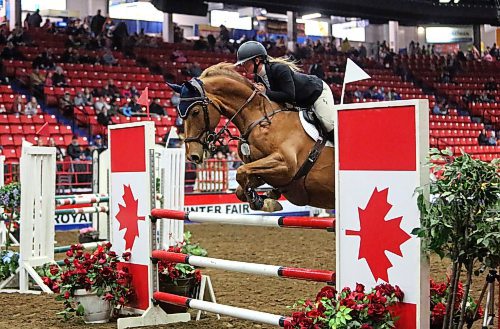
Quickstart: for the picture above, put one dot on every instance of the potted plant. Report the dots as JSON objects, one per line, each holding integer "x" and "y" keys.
{"x": 348, "y": 309}
{"x": 88, "y": 234}
{"x": 461, "y": 223}
{"x": 9, "y": 262}
{"x": 10, "y": 200}
{"x": 180, "y": 279}
{"x": 91, "y": 284}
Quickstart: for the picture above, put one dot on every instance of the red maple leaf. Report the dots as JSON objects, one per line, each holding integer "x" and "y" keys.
{"x": 378, "y": 235}
{"x": 128, "y": 218}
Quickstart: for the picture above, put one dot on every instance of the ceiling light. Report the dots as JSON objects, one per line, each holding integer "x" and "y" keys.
{"x": 311, "y": 16}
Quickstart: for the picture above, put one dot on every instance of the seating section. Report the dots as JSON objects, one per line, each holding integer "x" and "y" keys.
{"x": 458, "y": 132}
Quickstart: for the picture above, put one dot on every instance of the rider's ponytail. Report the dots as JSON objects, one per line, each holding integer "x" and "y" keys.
{"x": 285, "y": 60}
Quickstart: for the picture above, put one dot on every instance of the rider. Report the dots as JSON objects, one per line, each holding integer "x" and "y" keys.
{"x": 281, "y": 80}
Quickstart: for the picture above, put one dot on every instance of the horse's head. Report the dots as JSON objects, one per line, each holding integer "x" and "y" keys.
{"x": 200, "y": 116}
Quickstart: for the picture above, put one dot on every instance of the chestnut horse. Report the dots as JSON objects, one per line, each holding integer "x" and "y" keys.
{"x": 276, "y": 143}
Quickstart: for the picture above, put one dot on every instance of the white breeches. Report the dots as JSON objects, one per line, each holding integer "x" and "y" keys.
{"x": 323, "y": 107}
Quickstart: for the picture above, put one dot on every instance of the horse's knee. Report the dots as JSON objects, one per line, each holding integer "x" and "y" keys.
{"x": 240, "y": 194}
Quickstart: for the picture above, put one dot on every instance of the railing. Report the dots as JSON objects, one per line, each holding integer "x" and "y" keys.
{"x": 76, "y": 176}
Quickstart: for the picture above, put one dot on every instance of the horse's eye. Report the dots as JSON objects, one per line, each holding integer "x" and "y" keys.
{"x": 196, "y": 112}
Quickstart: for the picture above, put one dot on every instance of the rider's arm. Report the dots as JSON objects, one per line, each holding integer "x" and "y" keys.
{"x": 285, "y": 90}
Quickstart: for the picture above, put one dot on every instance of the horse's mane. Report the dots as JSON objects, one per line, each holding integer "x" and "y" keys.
{"x": 225, "y": 69}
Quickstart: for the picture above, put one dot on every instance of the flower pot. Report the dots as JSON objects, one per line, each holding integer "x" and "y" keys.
{"x": 97, "y": 310}
{"x": 184, "y": 287}
{"x": 88, "y": 237}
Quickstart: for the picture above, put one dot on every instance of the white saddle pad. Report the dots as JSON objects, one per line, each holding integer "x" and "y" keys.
{"x": 311, "y": 130}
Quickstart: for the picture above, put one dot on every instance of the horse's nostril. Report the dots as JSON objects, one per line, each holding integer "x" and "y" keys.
{"x": 195, "y": 158}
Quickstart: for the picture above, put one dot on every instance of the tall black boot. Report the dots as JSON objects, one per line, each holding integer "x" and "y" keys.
{"x": 330, "y": 136}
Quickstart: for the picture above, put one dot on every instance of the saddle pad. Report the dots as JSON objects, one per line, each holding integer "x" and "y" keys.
{"x": 311, "y": 130}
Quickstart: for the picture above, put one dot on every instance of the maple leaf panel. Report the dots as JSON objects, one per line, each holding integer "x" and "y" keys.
{"x": 129, "y": 210}
{"x": 378, "y": 212}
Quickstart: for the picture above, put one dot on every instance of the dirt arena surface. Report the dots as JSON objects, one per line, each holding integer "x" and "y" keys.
{"x": 286, "y": 247}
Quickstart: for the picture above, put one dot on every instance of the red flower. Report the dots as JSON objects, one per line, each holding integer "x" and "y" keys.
{"x": 328, "y": 292}
{"x": 366, "y": 326}
{"x": 126, "y": 256}
{"x": 108, "y": 296}
{"x": 438, "y": 313}
{"x": 69, "y": 253}
{"x": 54, "y": 269}
{"x": 66, "y": 295}
{"x": 360, "y": 288}
{"x": 376, "y": 311}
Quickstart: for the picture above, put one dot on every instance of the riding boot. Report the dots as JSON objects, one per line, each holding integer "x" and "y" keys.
{"x": 330, "y": 136}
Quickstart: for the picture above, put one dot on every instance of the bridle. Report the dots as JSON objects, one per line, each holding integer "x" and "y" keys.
{"x": 207, "y": 137}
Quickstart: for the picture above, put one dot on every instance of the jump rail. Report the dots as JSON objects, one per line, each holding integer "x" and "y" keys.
{"x": 83, "y": 210}
{"x": 327, "y": 223}
{"x": 250, "y": 268}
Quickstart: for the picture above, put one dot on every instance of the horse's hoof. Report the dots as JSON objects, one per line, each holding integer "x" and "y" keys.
{"x": 273, "y": 194}
{"x": 271, "y": 205}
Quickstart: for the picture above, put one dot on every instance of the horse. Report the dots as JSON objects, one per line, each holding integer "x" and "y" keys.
{"x": 273, "y": 145}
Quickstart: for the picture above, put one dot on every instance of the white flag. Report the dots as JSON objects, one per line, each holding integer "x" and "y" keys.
{"x": 354, "y": 73}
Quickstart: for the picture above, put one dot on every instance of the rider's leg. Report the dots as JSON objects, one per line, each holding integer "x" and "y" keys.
{"x": 323, "y": 107}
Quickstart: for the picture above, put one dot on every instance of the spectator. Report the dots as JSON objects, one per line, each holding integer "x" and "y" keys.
{"x": 99, "y": 143}
{"x": 492, "y": 141}
{"x": 35, "y": 20}
{"x": 134, "y": 106}
{"x": 113, "y": 89}
{"x": 59, "y": 79}
{"x": 392, "y": 95}
{"x": 44, "y": 61}
{"x": 134, "y": 92}
{"x": 211, "y": 42}
{"x": 74, "y": 150}
{"x": 87, "y": 96}
{"x": 66, "y": 105}
{"x": 47, "y": 25}
{"x": 156, "y": 107}
{"x": 17, "y": 105}
{"x": 491, "y": 85}
{"x": 97, "y": 23}
{"x": 11, "y": 52}
{"x": 79, "y": 100}
{"x": 26, "y": 25}
{"x": 103, "y": 117}
{"x": 37, "y": 81}
{"x": 32, "y": 107}
{"x": 317, "y": 70}
{"x": 195, "y": 70}
{"x": 108, "y": 58}
{"x": 223, "y": 35}
{"x": 362, "y": 51}
{"x": 101, "y": 104}
{"x": 59, "y": 153}
{"x": 346, "y": 46}
{"x": 482, "y": 139}
{"x": 357, "y": 94}
{"x": 440, "y": 109}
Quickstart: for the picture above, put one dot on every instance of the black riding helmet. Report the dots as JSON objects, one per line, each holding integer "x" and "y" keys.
{"x": 250, "y": 50}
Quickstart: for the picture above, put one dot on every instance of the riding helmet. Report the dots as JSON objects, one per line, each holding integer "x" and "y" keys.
{"x": 249, "y": 50}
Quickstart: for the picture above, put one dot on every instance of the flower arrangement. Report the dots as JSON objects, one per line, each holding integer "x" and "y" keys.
{"x": 348, "y": 309}
{"x": 96, "y": 271}
{"x": 10, "y": 200}
{"x": 9, "y": 262}
{"x": 439, "y": 296}
{"x": 170, "y": 272}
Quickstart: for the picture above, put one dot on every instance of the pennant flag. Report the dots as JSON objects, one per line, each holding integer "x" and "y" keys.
{"x": 42, "y": 131}
{"x": 354, "y": 73}
{"x": 144, "y": 100}
{"x": 172, "y": 135}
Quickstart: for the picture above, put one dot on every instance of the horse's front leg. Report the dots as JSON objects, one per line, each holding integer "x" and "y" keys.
{"x": 250, "y": 176}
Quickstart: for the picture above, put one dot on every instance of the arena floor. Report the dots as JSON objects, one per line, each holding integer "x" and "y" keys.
{"x": 288, "y": 247}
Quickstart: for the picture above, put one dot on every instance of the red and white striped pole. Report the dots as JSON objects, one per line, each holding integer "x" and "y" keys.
{"x": 250, "y": 268}
{"x": 327, "y": 223}
{"x": 236, "y": 312}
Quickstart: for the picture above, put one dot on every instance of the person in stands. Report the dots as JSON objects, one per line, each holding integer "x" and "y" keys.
{"x": 156, "y": 107}
{"x": 282, "y": 81}
{"x": 32, "y": 107}
{"x": 74, "y": 150}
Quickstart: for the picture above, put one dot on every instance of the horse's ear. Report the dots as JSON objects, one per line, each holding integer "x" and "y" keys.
{"x": 175, "y": 87}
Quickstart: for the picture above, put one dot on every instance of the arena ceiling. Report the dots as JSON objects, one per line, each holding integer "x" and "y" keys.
{"x": 409, "y": 12}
